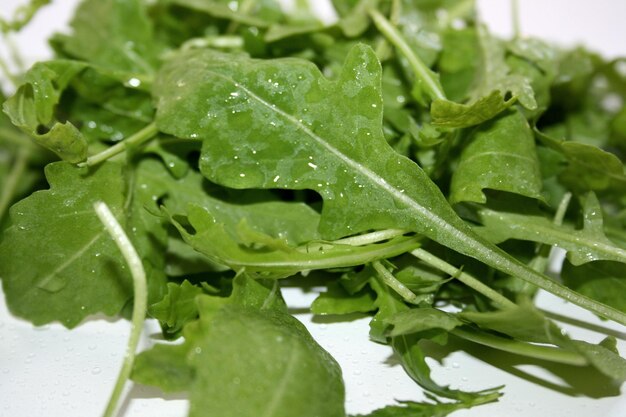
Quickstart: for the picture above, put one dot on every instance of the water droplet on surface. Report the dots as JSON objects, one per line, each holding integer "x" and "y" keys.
{"x": 96, "y": 370}
{"x": 134, "y": 82}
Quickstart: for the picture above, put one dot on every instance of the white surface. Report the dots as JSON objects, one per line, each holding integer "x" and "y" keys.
{"x": 53, "y": 372}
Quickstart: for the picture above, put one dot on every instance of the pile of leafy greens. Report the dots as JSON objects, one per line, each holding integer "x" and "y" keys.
{"x": 417, "y": 167}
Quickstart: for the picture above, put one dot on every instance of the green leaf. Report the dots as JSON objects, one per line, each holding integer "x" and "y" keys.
{"x": 177, "y": 308}
{"x": 583, "y": 245}
{"x": 603, "y": 359}
{"x": 523, "y": 323}
{"x": 246, "y": 356}
{"x": 336, "y": 300}
{"x": 271, "y": 365}
{"x": 298, "y": 130}
{"x": 601, "y": 280}
{"x": 261, "y": 13}
{"x": 164, "y": 366}
{"x": 407, "y": 347}
{"x": 112, "y": 34}
{"x": 211, "y": 238}
{"x": 501, "y": 156}
{"x": 458, "y": 62}
{"x": 453, "y": 115}
{"x": 354, "y": 19}
{"x": 70, "y": 274}
{"x": 427, "y": 409}
{"x": 495, "y": 74}
{"x": 32, "y": 108}
{"x": 418, "y": 320}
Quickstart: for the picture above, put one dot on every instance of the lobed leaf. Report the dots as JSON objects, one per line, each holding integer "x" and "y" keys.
{"x": 501, "y": 156}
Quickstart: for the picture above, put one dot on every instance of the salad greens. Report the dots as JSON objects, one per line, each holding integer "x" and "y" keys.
{"x": 420, "y": 166}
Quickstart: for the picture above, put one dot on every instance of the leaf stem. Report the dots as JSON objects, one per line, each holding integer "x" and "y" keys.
{"x": 137, "y": 139}
{"x": 224, "y": 41}
{"x": 547, "y": 353}
{"x": 540, "y": 262}
{"x": 10, "y": 184}
{"x": 244, "y": 9}
{"x": 139, "y": 303}
{"x": 369, "y": 238}
{"x": 391, "y": 281}
{"x": 464, "y": 277}
{"x": 423, "y": 74}
{"x": 6, "y": 72}
{"x": 515, "y": 17}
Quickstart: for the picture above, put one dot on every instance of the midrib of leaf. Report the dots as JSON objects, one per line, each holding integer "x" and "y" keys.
{"x": 46, "y": 279}
{"x": 354, "y": 165}
{"x": 583, "y": 163}
{"x": 282, "y": 386}
{"x": 555, "y": 236}
{"x": 464, "y": 241}
{"x": 507, "y": 154}
{"x": 332, "y": 261}
{"x": 270, "y": 297}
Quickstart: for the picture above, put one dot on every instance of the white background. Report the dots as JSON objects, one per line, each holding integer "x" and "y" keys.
{"x": 49, "y": 371}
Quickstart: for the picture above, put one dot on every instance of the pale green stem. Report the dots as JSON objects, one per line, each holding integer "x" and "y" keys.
{"x": 422, "y": 72}
{"x": 369, "y": 238}
{"x": 6, "y": 72}
{"x": 224, "y": 42}
{"x": 540, "y": 262}
{"x": 137, "y": 139}
{"x": 10, "y": 184}
{"x": 18, "y": 60}
{"x": 391, "y": 281}
{"x": 548, "y": 353}
{"x": 246, "y": 7}
{"x": 464, "y": 277}
{"x": 515, "y": 17}
{"x": 140, "y": 299}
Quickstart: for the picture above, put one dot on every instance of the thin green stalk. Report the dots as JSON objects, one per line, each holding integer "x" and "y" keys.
{"x": 245, "y": 8}
{"x": 10, "y": 184}
{"x": 140, "y": 300}
{"x": 369, "y": 238}
{"x": 515, "y": 17}
{"x": 547, "y": 353}
{"x": 541, "y": 261}
{"x": 224, "y": 41}
{"x": 17, "y": 138}
{"x": 464, "y": 277}
{"x": 423, "y": 74}
{"x": 8, "y": 74}
{"x": 391, "y": 281}
{"x": 16, "y": 55}
{"x": 137, "y": 139}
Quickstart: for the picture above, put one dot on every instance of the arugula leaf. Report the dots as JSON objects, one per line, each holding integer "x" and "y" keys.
{"x": 254, "y": 13}
{"x": 300, "y": 134}
{"x": 278, "y": 262}
{"x": 271, "y": 364}
{"x": 112, "y": 34}
{"x": 589, "y": 167}
{"x": 600, "y": 280}
{"x": 336, "y": 300}
{"x": 177, "y": 308}
{"x": 428, "y": 409}
{"x": 453, "y": 115}
{"x": 500, "y": 155}
{"x": 495, "y": 74}
{"x": 32, "y": 108}
{"x": 417, "y": 320}
{"x": 75, "y": 274}
{"x": 583, "y": 245}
